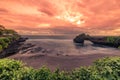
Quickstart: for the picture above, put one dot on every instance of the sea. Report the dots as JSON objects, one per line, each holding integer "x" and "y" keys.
{"x": 64, "y": 45}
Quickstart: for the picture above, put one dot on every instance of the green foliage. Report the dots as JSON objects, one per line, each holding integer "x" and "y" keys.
{"x": 3, "y": 43}
{"x": 4, "y": 31}
{"x": 9, "y": 69}
{"x": 119, "y": 47}
{"x": 9, "y": 31}
{"x": 113, "y": 39}
{"x": 42, "y": 74}
{"x": 15, "y": 37}
{"x": 82, "y": 74}
{"x": 1, "y": 48}
{"x": 10, "y": 38}
{"x": 103, "y": 69}
{"x": 108, "y": 68}
{"x": 110, "y": 39}
{"x": 6, "y": 39}
{"x": 60, "y": 75}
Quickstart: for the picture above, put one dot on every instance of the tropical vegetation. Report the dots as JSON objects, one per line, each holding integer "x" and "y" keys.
{"x": 7, "y": 36}
{"x": 103, "y": 69}
{"x": 113, "y": 39}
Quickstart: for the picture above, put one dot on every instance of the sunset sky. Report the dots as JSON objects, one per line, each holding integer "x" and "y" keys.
{"x": 37, "y": 17}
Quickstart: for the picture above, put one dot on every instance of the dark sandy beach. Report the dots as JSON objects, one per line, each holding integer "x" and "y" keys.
{"x": 61, "y": 62}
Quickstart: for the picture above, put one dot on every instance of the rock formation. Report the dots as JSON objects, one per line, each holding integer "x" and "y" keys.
{"x": 80, "y": 39}
{"x": 107, "y": 40}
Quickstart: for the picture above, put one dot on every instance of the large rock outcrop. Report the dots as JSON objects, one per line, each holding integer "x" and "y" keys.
{"x": 80, "y": 38}
{"x": 106, "y": 40}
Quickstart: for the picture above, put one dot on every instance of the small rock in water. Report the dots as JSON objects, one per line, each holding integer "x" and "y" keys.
{"x": 26, "y": 46}
{"x": 36, "y": 49}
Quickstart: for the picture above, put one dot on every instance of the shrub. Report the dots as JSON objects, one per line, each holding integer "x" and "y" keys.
{"x": 7, "y": 40}
{"x": 119, "y": 47}
{"x": 3, "y": 43}
{"x": 1, "y": 48}
{"x": 15, "y": 37}
{"x": 113, "y": 39}
{"x": 103, "y": 69}
{"x": 108, "y": 68}
{"x": 82, "y": 74}
{"x": 42, "y": 74}
{"x": 15, "y": 70}
{"x": 9, "y": 69}
{"x": 10, "y": 38}
{"x": 60, "y": 75}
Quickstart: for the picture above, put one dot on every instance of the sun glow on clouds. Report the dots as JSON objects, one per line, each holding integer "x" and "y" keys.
{"x": 74, "y": 19}
{"x": 44, "y": 25}
{"x": 46, "y": 16}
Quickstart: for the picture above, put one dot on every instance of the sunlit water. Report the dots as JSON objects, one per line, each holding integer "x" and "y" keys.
{"x": 68, "y": 47}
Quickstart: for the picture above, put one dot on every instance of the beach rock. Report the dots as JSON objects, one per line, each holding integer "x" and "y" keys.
{"x": 80, "y": 38}
{"x": 36, "y": 49}
{"x": 26, "y": 46}
{"x": 97, "y": 40}
{"x": 32, "y": 48}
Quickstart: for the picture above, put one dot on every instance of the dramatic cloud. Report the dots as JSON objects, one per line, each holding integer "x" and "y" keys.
{"x": 96, "y": 17}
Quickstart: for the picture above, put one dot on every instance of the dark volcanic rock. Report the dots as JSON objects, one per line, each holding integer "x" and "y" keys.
{"x": 37, "y": 49}
{"x": 98, "y": 40}
{"x": 26, "y": 46}
{"x": 32, "y": 48}
{"x": 80, "y": 39}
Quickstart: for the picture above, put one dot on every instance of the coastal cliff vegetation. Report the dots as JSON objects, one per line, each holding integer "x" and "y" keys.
{"x": 7, "y": 36}
{"x": 113, "y": 39}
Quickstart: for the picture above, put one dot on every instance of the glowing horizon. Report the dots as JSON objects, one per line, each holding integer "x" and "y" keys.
{"x": 61, "y": 16}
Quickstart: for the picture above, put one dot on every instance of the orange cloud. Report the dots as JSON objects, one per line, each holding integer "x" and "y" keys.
{"x": 49, "y": 17}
